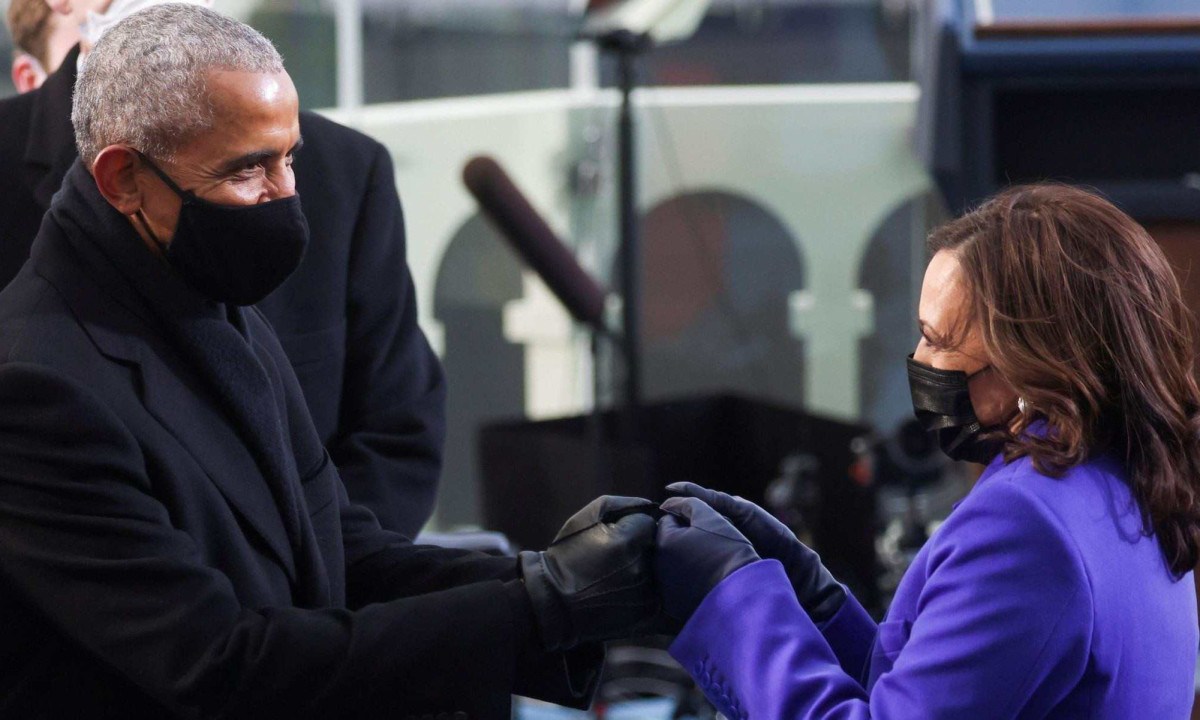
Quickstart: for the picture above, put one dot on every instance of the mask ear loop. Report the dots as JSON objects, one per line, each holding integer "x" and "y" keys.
{"x": 980, "y": 371}
{"x": 184, "y": 195}
{"x": 141, "y": 218}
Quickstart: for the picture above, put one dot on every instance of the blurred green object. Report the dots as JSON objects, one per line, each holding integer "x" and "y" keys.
{"x": 307, "y": 39}
{"x": 6, "y": 50}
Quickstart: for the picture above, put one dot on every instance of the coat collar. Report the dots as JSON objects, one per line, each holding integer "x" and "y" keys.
{"x": 88, "y": 251}
{"x": 50, "y": 149}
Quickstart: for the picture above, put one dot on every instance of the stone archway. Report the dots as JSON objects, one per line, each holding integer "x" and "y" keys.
{"x": 718, "y": 272}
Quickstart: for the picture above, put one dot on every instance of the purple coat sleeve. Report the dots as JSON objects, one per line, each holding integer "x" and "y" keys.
{"x": 850, "y": 634}
{"x": 1002, "y": 628}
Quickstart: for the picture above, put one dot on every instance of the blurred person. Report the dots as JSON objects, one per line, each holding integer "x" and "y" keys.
{"x": 347, "y": 318}
{"x": 1056, "y": 349}
{"x": 41, "y": 39}
{"x": 174, "y": 539}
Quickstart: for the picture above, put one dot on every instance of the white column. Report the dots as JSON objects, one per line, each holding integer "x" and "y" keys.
{"x": 831, "y": 332}
{"x": 349, "y": 21}
{"x": 554, "y": 372}
{"x": 585, "y": 67}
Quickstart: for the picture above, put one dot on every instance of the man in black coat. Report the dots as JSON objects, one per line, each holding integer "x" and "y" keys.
{"x": 174, "y": 539}
{"x": 347, "y": 318}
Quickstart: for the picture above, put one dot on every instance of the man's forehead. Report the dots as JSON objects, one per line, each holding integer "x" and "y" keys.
{"x": 251, "y": 93}
{"x": 252, "y": 114}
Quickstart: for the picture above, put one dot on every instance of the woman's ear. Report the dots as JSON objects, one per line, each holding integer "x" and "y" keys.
{"x": 115, "y": 171}
{"x": 27, "y": 73}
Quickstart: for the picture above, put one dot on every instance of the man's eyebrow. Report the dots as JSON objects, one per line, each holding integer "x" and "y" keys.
{"x": 254, "y": 158}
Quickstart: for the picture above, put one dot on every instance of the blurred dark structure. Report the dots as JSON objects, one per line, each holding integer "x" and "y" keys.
{"x": 1103, "y": 93}
{"x": 537, "y": 474}
{"x": 911, "y": 461}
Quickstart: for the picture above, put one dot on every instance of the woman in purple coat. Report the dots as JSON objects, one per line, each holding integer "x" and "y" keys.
{"x": 1056, "y": 349}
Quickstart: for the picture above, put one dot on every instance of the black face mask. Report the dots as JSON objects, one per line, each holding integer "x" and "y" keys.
{"x": 942, "y": 404}
{"x": 235, "y": 254}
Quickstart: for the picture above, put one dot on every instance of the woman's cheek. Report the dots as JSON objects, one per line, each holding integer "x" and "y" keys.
{"x": 994, "y": 401}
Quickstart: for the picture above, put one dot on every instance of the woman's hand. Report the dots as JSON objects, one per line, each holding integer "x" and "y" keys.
{"x": 819, "y": 594}
{"x": 697, "y": 549}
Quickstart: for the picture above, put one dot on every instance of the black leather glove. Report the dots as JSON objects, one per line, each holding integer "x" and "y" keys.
{"x": 595, "y": 582}
{"x": 697, "y": 549}
{"x": 819, "y": 594}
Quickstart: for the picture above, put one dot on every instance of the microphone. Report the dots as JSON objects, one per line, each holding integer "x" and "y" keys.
{"x": 506, "y": 207}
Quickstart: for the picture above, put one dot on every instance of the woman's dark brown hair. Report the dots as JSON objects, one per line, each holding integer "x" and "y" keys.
{"x": 1080, "y": 312}
{"x": 29, "y": 24}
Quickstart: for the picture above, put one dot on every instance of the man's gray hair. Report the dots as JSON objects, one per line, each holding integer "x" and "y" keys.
{"x": 145, "y": 83}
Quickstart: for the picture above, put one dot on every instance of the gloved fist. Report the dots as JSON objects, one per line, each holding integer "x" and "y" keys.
{"x": 697, "y": 549}
{"x": 595, "y": 582}
{"x": 819, "y": 594}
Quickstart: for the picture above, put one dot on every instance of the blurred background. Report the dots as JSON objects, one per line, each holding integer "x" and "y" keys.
{"x": 783, "y": 211}
{"x": 791, "y": 156}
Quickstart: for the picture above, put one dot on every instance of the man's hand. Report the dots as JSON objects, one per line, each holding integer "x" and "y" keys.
{"x": 819, "y": 593}
{"x": 595, "y": 582}
{"x": 697, "y": 549}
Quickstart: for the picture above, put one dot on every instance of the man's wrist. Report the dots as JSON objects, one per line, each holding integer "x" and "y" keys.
{"x": 549, "y": 611}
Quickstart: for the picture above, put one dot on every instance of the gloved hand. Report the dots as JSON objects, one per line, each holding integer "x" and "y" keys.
{"x": 819, "y": 594}
{"x": 595, "y": 581}
{"x": 697, "y": 549}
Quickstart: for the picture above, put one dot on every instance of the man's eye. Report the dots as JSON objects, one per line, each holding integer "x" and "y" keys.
{"x": 248, "y": 172}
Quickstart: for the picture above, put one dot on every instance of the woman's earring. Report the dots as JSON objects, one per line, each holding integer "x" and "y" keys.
{"x": 1022, "y": 406}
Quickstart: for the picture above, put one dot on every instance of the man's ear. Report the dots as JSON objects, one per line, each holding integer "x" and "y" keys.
{"x": 27, "y": 73}
{"x": 115, "y": 171}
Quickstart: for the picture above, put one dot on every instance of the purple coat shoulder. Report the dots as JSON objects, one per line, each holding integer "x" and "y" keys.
{"x": 1037, "y": 598}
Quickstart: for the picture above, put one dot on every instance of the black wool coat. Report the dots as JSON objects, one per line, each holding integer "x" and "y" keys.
{"x": 174, "y": 540}
{"x": 347, "y": 318}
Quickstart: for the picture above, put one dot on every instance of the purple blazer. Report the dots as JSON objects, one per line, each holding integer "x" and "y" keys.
{"x": 1037, "y": 598}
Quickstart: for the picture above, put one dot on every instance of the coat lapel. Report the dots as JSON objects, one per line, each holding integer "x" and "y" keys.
{"x": 50, "y": 149}
{"x": 180, "y": 403}
{"x": 173, "y": 395}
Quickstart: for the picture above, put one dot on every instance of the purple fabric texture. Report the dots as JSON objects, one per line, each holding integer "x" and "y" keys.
{"x": 1037, "y": 598}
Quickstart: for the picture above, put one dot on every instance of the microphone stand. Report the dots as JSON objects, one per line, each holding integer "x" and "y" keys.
{"x": 624, "y": 30}
{"x": 626, "y": 46}
{"x": 596, "y": 431}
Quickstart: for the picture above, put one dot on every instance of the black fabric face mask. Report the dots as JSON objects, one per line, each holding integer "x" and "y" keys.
{"x": 234, "y": 254}
{"x": 942, "y": 403}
